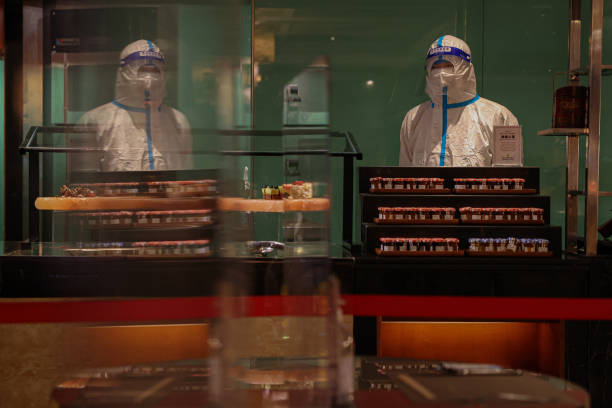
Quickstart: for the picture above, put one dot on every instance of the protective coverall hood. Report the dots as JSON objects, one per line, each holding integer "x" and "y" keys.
{"x": 141, "y": 72}
{"x": 459, "y": 80}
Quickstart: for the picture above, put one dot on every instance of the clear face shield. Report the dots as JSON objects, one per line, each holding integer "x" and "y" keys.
{"x": 145, "y": 75}
{"x": 444, "y": 67}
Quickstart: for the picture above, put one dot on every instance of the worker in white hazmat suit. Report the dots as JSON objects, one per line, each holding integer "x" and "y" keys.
{"x": 454, "y": 128}
{"x": 136, "y": 131}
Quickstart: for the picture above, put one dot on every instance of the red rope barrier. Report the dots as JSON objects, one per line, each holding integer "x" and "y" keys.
{"x": 414, "y": 307}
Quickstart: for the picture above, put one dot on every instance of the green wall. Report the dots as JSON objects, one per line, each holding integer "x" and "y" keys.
{"x": 515, "y": 47}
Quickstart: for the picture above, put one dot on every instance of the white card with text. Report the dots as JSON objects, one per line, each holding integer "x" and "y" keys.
{"x": 508, "y": 146}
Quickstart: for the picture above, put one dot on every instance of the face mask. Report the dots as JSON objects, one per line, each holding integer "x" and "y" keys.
{"x": 140, "y": 82}
{"x": 438, "y": 79}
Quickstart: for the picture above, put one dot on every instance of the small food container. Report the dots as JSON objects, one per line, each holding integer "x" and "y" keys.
{"x": 92, "y": 219}
{"x": 518, "y": 183}
{"x": 401, "y": 244}
{"x": 494, "y": 184}
{"x": 476, "y": 214}
{"x": 386, "y": 244}
{"x": 537, "y": 214}
{"x": 421, "y": 183}
{"x": 448, "y": 213}
{"x": 542, "y": 245}
{"x": 505, "y": 183}
{"x": 514, "y": 214}
{"x": 481, "y": 184}
{"x": 438, "y": 245}
{"x": 387, "y": 183}
{"x": 408, "y": 213}
{"x": 498, "y": 214}
{"x": 489, "y": 244}
{"x": 465, "y": 213}
{"x": 375, "y": 183}
{"x": 437, "y": 183}
{"x": 524, "y": 214}
{"x": 409, "y": 183}
{"x": 475, "y": 244}
{"x": 424, "y": 244}
{"x": 460, "y": 183}
{"x": 452, "y": 244}
{"x": 412, "y": 244}
{"x": 421, "y": 213}
{"x": 512, "y": 244}
{"x": 399, "y": 213}
{"x": 500, "y": 244}
{"x": 473, "y": 184}
{"x": 528, "y": 245}
{"x": 487, "y": 214}
{"x": 398, "y": 183}
{"x": 383, "y": 213}
{"x": 437, "y": 213}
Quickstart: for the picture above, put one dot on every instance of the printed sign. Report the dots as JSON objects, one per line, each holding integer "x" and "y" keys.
{"x": 507, "y": 146}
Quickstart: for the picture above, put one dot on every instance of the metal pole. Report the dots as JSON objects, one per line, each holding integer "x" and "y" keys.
{"x": 592, "y": 198}
{"x": 572, "y": 143}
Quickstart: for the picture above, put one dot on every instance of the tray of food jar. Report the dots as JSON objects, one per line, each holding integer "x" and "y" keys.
{"x": 408, "y": 185}
{"x": 419, "y": 247}
{"x": 416, "y": 215}
{"x": 124, "y": 197}
{"x": 195, "y": 248}
{"x": 297, "y": 196}
{"x": 530, "y": 247}
{"x": 501, "y": 216}
{"x": 491, "y": 186}
{"x": 144, "y": 219}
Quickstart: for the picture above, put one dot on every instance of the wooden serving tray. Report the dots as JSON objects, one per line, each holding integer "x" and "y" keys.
{"x": 492, "y": 191}
{"x": 503, "y": 222}
{"x": 509, "y": 253}
{"x": 379, "y": 252}
{"x": 416, "y": 222}
{"x": 410, "y": 191}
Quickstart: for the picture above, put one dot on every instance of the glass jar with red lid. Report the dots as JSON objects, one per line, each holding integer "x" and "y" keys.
{"x": 524, "y": 214}
{"x": 475, "y": 214}
{"x": 448, "y": 213}
{"x": 492, "y": 183}
{"x": 398, "y": 183}
{"x": 437, "y": 214}
{"x": 397, "y": 213}
{"x": 437, "y": 183}
{"x": 400, "y": 244}
{"x": 386, "y": 244}
{"x": 486, "y": 214}
{"x": 421, "y": 183}
{"x": 424, "y": 244}
{"x": 452, "y": 244}
{"x": 472, "y": 184}
{"x": 465, "y": 213}
{"x": 460, "y": 183}
{"x": 438, "y": 244}
{"x": 514, "y": 214}
{"x": 412, "y": 244}
{"x": 383, "y": 213}
{"x": 518, "y": 183}
{"x": 537, "y": 214}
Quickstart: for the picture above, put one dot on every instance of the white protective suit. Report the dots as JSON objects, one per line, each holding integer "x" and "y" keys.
{"x": 454, "y": 128}
{"x": 136, "y": 130}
